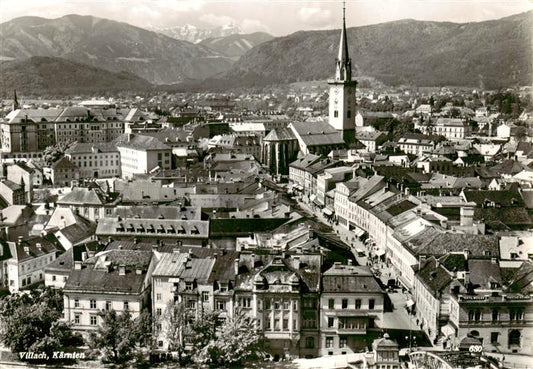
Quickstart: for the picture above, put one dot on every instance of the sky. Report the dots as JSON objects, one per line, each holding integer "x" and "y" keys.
{"x": 277, "y": 17}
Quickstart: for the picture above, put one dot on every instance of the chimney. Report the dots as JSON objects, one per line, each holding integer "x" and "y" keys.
{"x": 19, "y": 240}
{"x": 421, "y": 261}
{"x": 122, "y": 269}
{"x": 467, "y": 278}
{"x": 39, "y": 246}
{"x": 84, "y": 256}
{"x": 77, "y": 265}
{"x": 494, "y": 260}
{"x": 466, "y": 252}
{"x": 135, "y": 240}
{"x": 138, "y": 271}
{"x": 467, "y": 216}
{"x": 350, "y": 262}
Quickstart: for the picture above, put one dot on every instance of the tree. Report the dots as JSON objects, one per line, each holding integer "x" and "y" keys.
{"x": 235, "y": 341}
{"x": 176, "y": 323}
{"x": 120, "y": 337}
{"x": 30, "y": 322}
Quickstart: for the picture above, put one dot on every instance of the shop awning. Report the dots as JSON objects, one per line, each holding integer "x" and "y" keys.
{"x": 359, "y": 232}
{"x": 327, "y": 211}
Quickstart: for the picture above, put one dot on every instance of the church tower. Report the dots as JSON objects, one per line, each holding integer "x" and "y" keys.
{"x": 16, "y": 104}
{"x": 342, "y": 91}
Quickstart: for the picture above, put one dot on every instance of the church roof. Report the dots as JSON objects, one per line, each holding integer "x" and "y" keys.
{"x": 317, "y": 133}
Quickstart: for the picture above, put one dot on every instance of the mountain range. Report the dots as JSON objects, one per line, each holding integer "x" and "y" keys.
{"x": 111, "y": 45}
{"x": 56, "y": 76}
{"x": 193, "y": 34}
{"x": 490, "y": 54}
{"x": 235, "y": 46}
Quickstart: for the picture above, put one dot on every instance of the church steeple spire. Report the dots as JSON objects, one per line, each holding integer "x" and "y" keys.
{"x": 16, "y": 104}
{"x": 344, "y": 63}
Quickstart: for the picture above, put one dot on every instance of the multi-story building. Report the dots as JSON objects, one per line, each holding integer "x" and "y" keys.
{"x": 117, "y": 279}
{"x": 274, "y": 295}
{"x": 186, "y": 232}
{"x": 64, "y": 171}
{"x": 452, "y": 128}
{"x": 95, "y": 160}
{"x": 90, "y": 202}
{"x": 20, "y": 173}
{"x": 142, "y": 154}
{"x": 416, "y": 144}
{"x": 29, "y": 257}
{"x": 30, "y": 131}
{"x": 351, "y": 303}
{"x": 304, "y": 171}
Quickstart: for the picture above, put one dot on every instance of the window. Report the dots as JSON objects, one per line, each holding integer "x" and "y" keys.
{"x": 191, "y": 304}
{"x": 309, "y": 342}
{"x": 349, "y": 114}
{"x": 53, "y": 278}
{"x": 158, "y": 297}
{"x": 495, "y": 315}
{"x": 221, "y": 305}
{"x": 93, "y": 304}
{"x": 268, "y": 322}
{"x": 342, "y": 342}
{"x": 205, "y": 296}
{"x": 331, "y": 322}
{"x": 126, "y": 305}
{"x": 329, "y": 342}
{"x": 335, "y": 113}
{"x": 516, "y": 315}
{"x": 160, "y": 343}
{"x": 494, "y": 337}
{"x": 345, "y": 303}
{"x": 93, "y": 320}
{"x": 514, "y": 338}
{"x": 371, "y": 304}
{"x": 358, "y": 304}
{"x": 267, "y": 304}
{"x": 331, "y": 303}
{"x": 76, "y": 303}
{"x": 108, "y": 305}
{"x": 158, "y": 312}
{"x": 77, "y": 318}
{"x": 295, "y": 306}
{"x": 285, "y": 324}
{"x": 188, "y": 286}
{"x": 286, "y": 305}
{"x": 276, "y": 325}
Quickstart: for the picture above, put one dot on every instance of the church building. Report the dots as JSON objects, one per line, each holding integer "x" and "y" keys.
{"x": 319, "y": 138}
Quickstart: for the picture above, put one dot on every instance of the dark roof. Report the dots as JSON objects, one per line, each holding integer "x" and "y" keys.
{"x": 317, "y": 133}
{"x": 33, "y": 247}
{"x": 483, "y": 272}
{"x": 140, "y": 142}
{"x": 522, "y": 282}
{"x": 350, "y": 279}
{"x": 454, "y": 262}
{"x": 439, "y": 244}
{"x": 511, "y": 216}
{"x": 80, "y": 230}
{"x": 401, "y": 207}
{"x": 434, "y": 276}
{"x": 64, "y": 163}
{"x": 509, "y": 197}
{"x": 88, "y": 279}
{"x": 239, "y": 226}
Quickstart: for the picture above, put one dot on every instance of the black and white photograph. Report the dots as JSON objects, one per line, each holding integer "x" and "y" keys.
{"x": 293, "y": 184}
